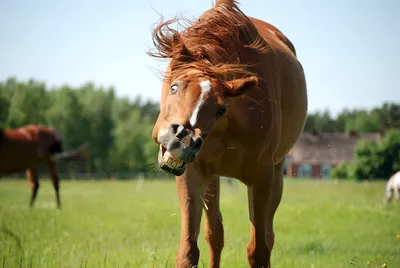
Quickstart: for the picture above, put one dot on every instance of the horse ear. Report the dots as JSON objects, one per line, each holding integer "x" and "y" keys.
{"x": 179, "y": 46}
{"x": 238, "y": 87}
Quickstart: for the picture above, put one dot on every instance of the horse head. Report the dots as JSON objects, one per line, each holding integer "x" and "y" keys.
{"x": 191, "y": 105}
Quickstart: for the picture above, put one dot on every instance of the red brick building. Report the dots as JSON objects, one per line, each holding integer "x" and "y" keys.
{"x": 315, "y": 154}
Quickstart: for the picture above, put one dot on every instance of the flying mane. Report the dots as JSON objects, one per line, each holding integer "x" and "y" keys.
{"x": 212, "y": 43}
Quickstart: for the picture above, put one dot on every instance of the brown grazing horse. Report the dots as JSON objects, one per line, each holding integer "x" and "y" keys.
{"x": 233, "y": 103}
{"x": 23, "y": 149}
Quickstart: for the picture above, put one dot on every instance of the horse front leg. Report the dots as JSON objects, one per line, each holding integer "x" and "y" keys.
{"x": 213, "y": 229}
{"x": 259, "y": 195}
{"x": 33, "y": 179}
{"x": 191, "y": 188}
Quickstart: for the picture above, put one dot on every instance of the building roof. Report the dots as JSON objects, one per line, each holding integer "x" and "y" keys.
{"x": 327, "y": 148}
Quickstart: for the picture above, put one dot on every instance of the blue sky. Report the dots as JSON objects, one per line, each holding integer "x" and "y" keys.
{"x": 349, "y": 49}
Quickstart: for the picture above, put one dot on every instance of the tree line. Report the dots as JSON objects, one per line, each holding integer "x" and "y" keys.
{"x": 379, "y": 119}
{"x": 118, "y": 129}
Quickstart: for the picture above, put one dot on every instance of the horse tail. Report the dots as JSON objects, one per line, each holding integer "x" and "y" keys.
{"x": 78, "y": 153}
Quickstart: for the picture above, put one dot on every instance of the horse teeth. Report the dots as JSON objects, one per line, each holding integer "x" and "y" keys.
{"x": 171, "y": 161}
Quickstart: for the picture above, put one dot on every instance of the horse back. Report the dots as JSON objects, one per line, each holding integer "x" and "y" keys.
{"x": 41, "y": 138}
{"x": 48, "y": 138}
{"x": 284, "y": 82}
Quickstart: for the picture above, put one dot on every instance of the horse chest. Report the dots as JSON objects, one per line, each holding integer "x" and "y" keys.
{"x": 229, "y": 157}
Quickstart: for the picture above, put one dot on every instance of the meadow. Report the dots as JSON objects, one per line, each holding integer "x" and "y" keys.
{"x": 320, "y": 223}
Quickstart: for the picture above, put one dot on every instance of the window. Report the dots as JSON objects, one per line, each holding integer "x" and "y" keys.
{"x": 326, "y": 169}
{"x": 285, "y": 164}
{"x": 305, "y": 171}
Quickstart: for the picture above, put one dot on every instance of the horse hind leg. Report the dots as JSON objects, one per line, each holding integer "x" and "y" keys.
{"x": 214, "y": 231}
{"x": 276, "y": 196}
{"x": 33, "y": 179}
{"x": 388, "y": 196}
{"x": 55, "y": 180}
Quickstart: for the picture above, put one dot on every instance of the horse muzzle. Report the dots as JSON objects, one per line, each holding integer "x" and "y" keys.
{"x": 178, "y": 147}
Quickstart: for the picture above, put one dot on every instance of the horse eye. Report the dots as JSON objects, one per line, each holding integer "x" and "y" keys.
{"x": 173, "y": 88}
{"x": 220, "y": 111}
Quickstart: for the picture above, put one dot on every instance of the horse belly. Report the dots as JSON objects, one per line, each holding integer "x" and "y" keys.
{"x": 17, "y": 159}
{"x": 235, "y": 158}
{"x": 231, "y": 164}
{"x": 12, "y": 165}
{"x": 294, "y": 106}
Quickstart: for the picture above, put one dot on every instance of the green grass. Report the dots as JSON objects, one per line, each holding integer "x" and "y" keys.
{"x": 111, "y": 224}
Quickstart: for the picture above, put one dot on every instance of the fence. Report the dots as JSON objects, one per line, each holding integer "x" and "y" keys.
{"x": 99, "y": 176}
{"x": 111, "y": 176}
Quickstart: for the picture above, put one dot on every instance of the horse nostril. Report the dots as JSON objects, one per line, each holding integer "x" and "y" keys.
{"x": 173, "y": 128}
{"x": 178, "y": 130}
{"x": 196, "y": 143}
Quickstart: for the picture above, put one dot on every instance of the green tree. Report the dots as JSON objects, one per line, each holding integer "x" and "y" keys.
{"x": 67, "y": 116}
{"x": 341, "y": 171}
{"x": 389, "y": 115}
{"x": 378, "y": 161}
{"x": 98, "y": 105}
{"x": 390, "y": 153}
{"x": 28, "y": 104}
{"x": 364, "y": 121}
{"x": 368, "y": 160}
{"x": 4, "y": 105}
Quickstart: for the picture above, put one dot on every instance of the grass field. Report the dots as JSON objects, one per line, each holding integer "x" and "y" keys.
{"x": 116, "y": 224}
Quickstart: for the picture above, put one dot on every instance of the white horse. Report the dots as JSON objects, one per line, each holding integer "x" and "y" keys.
{"x": 392, "y": 188}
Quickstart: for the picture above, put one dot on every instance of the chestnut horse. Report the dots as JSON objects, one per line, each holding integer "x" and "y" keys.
{"x": 23, "y": 149}
{"x": 233, "y": 103}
